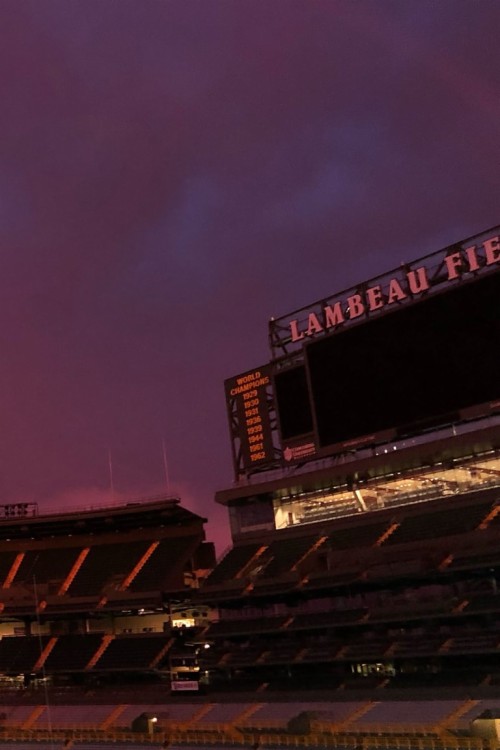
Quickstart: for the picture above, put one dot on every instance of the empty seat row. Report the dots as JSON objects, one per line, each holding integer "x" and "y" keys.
{"x": 75, "y": 652}
{"x": 145, "y": 565}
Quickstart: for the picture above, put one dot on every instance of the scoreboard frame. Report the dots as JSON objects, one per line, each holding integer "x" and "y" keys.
{"x": 382, "y": 294}
{"x": 291, "y": 335}
{"x": 252, "y": 420}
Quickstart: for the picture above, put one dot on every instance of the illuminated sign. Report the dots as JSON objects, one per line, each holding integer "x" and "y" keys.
{"x": 249, "y": 394}
{"x": 380, "y": 381}
{"x": 184, "y": 686}
{"x": 407, "y": 285}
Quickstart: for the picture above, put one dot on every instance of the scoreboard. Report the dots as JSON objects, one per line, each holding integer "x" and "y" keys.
{"x": 249, "y": 401}
{"x": 403, "y": 354}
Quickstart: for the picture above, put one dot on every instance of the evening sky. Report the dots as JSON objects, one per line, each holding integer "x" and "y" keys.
{"x": 176, "y": 172}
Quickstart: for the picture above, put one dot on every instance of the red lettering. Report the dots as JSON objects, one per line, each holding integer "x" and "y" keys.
{"x": 334, "y": 315}
{"x": 396, "y": 293}
{"x": 294, "y": 328}
{"x": 356, "y": 306}
{"x": 314, "y": 326}
{"x": 453, "y": 263}
{"x": 417, "y": 280}
{"x": 374, "y": 296}
{"x": 492, "y": 250}
{"x": 472, "y": 258}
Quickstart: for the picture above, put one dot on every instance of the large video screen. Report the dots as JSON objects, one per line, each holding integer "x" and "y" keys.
{"x": 419, "y": 365}
{"x": 293, "y": 402}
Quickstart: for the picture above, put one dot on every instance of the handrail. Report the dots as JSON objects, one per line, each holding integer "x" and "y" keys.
{"x": 342, "y": 740}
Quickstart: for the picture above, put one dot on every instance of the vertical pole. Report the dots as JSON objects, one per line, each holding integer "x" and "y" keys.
{"x": 110, "y": 464}
{"x": 165, "y": 466}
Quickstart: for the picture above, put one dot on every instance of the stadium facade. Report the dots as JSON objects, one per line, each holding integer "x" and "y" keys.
{"x": 365, "y": 514}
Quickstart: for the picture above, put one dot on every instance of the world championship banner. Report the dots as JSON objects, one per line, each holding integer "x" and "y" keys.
{"x": 247, "y": 398}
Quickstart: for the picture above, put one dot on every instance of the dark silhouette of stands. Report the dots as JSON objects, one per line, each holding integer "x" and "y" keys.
{"x": 106, "y": 563}
{"x": 115, "y": 558}
{"x": 232, "y": 563}
{"x": 243, "y": 626}
{"x": 165, "y": 566}
{"x": 410, "y": 587}
{"x": 283, "y": 554}
{"x": 439, "y": 523}
{"x": 6, "y": 562}
{"x": 364, "y": 535}
{"x": 132, "y": 652}
{"x": 343, "y": 550}
{"x": 20, "y": 654}
{"x": 320, "y": 606}
{"x": 72, "y": 652}
{"x": 76, "y": 653}
{"x": 44, "y": 565}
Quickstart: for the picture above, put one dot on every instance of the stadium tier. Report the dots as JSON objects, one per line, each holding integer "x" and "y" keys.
{"x": 85, "y": 591}
{"x": 402, "y": 594}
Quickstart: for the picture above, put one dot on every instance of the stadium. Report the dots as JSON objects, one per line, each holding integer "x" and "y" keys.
{"x": 358, "y": 605}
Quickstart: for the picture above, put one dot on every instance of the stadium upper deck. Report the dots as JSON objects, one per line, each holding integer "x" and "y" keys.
{"x": 443, "y": 465}
{"x": 104, "y": 559}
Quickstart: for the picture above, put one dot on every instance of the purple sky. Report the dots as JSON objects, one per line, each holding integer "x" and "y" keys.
{"x": 175, "y": 172}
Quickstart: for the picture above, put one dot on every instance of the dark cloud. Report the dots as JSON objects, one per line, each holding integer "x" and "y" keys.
{"x": 175, "y": 173}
